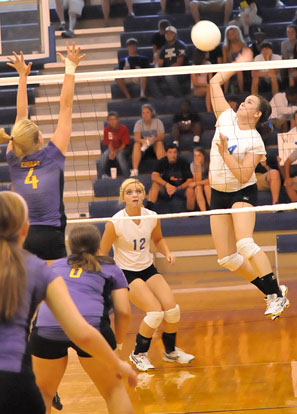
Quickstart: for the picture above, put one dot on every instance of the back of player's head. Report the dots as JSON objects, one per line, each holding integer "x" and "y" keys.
{"x": 13, "y": 216}
{"x": 24, "y": 138}
{"x": 127, "y": 182}
{"x": 84, "y": 242}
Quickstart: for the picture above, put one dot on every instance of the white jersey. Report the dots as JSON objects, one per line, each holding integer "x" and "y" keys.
{"x": 132, "y": 245}
{"x": 240, "y": 142}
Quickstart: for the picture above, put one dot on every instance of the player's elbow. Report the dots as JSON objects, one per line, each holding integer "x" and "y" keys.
{"x": 83, "y": 337}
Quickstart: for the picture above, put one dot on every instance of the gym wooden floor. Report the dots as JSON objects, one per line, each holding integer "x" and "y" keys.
{"x": 244, "y": 362}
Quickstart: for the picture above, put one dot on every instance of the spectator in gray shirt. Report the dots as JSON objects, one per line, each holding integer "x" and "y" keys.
{"x": 291, "y": 182}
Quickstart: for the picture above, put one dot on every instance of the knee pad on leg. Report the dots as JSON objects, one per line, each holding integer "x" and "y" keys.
{"x": 232, "y": 262}
{"x": 247, "y": 247}
{"x": 172, "y": 315}
{"x": 154, "y": 319}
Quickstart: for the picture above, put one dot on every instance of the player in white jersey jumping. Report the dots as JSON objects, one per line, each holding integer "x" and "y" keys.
{"x": 148, "y": 289}
{"x": 237, "y": 148}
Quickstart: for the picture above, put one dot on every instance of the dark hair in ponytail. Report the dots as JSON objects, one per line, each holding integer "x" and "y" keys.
{"x": 262, "y": 126}
{"x": 84, "y": 242}
{"x": 13, "y": 214}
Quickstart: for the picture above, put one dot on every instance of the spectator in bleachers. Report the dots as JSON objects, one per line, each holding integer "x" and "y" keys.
{"x": 173, "y": 53}
{"x": 186, "y": 121}
{"x": 149, "y": 133}
{"x": 233, "y": 46}
{"x": 106, "y": 10}
{"x": 288, "y": 45}
{"x": 216, "y": 55}
{"x": 291, "y": 182}
{"x": 199, "y": 169}
{"x": 247, "y": 17}
{"x": 159, "y": 40}
{"x": 116, "y": 138}
{"x": 60, "y": 14}
{"x": 284, "y": 106}
{"x": 163, "y": 6}
{"x": 133, "y": 61}
{"x": 75, "y": 8}
{"x": 266, "y": 79}
{"x": 210, "y": 6}
{"x": 200, "y": 81}
{"x": 292, "y": 71}
{"x": 294, "y": 124}
{"x": 259, "y": 37}
{"x": 172, "y": 176}
{"x": 268, "y": 179}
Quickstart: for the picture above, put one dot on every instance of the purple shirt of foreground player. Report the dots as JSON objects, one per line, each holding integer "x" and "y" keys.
{"x": 89, "y": 291}
{"x": 39, "y": 179}
{"x": 14, "y": 355}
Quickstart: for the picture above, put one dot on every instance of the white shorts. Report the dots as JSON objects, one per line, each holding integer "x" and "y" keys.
{"x": 74, "y": 6}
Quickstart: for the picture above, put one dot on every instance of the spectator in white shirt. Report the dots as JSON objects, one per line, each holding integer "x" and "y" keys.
{"x": 284, "y": 105}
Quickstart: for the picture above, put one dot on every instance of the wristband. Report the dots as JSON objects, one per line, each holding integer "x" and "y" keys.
{"x": 70, "y": 67}
{"x": 119, "y": 347}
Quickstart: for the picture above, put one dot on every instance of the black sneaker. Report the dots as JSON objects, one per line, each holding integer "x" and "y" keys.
{"x": 68, "y": 34}
{"x": 56, "y": 403}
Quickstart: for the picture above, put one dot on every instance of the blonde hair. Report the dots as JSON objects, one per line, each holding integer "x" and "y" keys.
{"x": 128, "y": 182}
{"x": 23, "y": 138}
{"x": 13, "y": 215}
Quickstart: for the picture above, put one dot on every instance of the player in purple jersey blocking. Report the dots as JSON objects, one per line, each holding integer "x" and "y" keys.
{"x": 37, "y": 172}
{"x": 26, "y": 280}
{"x": 95, "y": 284}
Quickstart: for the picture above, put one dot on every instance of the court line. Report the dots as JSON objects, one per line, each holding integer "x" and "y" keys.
{"x": 214, "y": 289}
{"x": 233, "y": 410}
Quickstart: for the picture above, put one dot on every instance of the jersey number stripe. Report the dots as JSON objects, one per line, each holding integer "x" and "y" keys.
{"x": 32, "y": 179}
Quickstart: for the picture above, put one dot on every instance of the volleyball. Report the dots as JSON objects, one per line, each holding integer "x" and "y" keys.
{"x": 205, "y": 35}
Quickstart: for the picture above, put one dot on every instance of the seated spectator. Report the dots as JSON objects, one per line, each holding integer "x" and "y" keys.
{"x": 288, "y": 45}
{"x": 265, "y": 79}
{"x": 186, "y": 121}
{"x": 75, "y": 8}
{"x": 248, "y": 16}
{"x": 233, "y": 46}
{"x": 116, "y": 137}
{"x": 200, "y": 81}
{"x": 255, "y": 45}
{"x": 159, "y": 40}
{"x": 133, "y": 61}
{"x": 291, "y": 182}
{"x": 173, "y": 53}
{"x": 268, "y": 179}
{"x": 284, "y": 106}
{"x": 172, "y": 177}
{"x": 148, "y": 133}
{"x": 210, "y": 6}
{"x": 199, "y": 168}
{"x": 106, "y": 10}
{"x": 164, "y": 2}
{"x": 293, "y": 72}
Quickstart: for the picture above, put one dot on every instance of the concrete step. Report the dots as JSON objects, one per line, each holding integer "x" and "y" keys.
{"x": 81, "y": 98}
{"x": 79, "y": 107}
{"x": 107, "y": 35}
{"x": 95, "y": 50}
{"x": 81, "y": 87}
{"x": 80, "y": 174}
{"x": 93, "y": 65}
{"x": 76, "y": 117}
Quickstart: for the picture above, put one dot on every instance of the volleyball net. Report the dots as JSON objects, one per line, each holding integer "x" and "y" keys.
{"x": 90, "y": 190}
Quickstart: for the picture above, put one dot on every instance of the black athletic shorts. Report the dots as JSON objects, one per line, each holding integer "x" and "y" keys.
{"x": 51, "y": 349}
{"x": 20, "y": 394}
{"x": 141, "y": 274}
{"x": 221, "y": 199}
{"x": 47, "y": 242}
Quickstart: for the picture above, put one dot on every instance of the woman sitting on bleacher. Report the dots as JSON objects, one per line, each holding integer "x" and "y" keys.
{"x": 148, "y": 133}
{"x": 199, "y": 169}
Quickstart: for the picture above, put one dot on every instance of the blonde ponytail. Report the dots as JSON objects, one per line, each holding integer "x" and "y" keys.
{"x": 4, "y": 137}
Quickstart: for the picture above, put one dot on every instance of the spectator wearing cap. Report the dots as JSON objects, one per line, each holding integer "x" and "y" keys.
{"x": 173, "y": 53}
{"x": 106, "y": 10}
{"x": 159, "y": 40}
{"x": 265, "y": 77}
{"x": 259, "y": 36}
{"x": 210, "y": 6}
{"x": 133, "y": 61}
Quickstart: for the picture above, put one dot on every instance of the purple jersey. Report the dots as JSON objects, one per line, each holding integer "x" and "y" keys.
{"x": 90, "y": 292}
{"x": 39, "y": 179}
{"x": 14, "y": 356}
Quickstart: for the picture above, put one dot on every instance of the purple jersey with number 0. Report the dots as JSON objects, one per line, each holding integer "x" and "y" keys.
{"x": 39, "y": 179}
{"x": 90, "y": 292}
{"x": 14, "y": 355}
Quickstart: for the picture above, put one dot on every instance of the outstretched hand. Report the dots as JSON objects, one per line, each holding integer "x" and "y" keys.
{"x": 72, "y": 54}
{"x": 18, "y": 63}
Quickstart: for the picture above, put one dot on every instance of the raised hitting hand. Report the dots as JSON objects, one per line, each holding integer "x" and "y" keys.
{"x": 18, "y": 63}
{"x": 72, "y": 54}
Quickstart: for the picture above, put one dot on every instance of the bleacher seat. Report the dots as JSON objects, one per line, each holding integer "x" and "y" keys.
{"x": 286, "y": 243}
{"x": 110, "y": 187}
{"x": 4, "y": 173}
{"x": 3, "y": 152}
{"x": 8, "y": 96}
{"x": 5, "y": 187}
